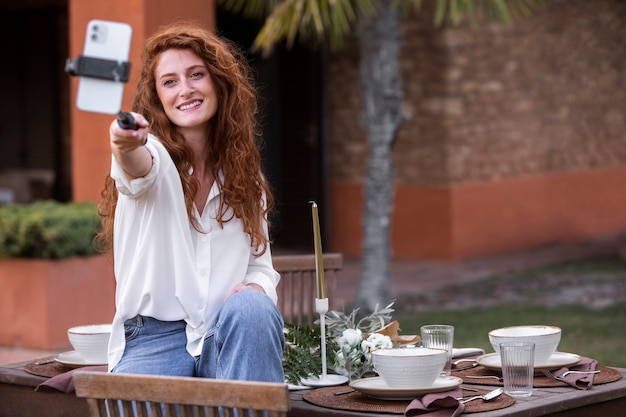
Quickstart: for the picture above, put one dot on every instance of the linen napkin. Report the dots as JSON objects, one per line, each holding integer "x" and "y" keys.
{"x": 466, "y": 352}
{"x": 64, "y": 382}
{"x": 580, "y": 381}
{"x": 438, "y": 404}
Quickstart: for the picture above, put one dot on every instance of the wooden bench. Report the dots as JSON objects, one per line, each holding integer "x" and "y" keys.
{"x": 297, "y": 287}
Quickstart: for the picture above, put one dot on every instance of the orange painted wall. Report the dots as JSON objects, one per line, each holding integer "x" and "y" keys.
{"x": 43, "y": 298}
{"x": 525, "y": 212}
{"x": 91, "y": 154}
{"x": 346, "y": 211}
{"x": 485, "y": 218}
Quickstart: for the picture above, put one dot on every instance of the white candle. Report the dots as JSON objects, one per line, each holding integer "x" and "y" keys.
{"x": 319, "y": 263}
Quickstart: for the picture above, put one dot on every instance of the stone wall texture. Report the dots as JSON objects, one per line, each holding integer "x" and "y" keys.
{"x": 490, "y": 101}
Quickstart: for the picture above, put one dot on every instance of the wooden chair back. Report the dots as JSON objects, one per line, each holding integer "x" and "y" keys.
{"x": 118, "y": 395}
{"x": 297, "y": 287}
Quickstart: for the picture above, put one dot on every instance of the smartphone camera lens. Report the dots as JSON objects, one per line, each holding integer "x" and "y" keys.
{"x": 98, "y": 33}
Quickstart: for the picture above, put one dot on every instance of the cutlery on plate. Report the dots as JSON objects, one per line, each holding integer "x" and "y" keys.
{"x": 487, "y": 397}
{"x": 458, "y": 361}
{"x": 45, "y": 361}
{"x": 346, "y": 391}
{"x": 455, "y": 364}
{"x": 474, "y": 365}
{"x": 579, "y": 372}
{"x": 549, "y": 374}
{"x": 466, "y": 388}
{"x": 499, "y": 378}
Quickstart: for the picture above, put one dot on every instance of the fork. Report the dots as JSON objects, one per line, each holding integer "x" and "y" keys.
{"x": 579, "y": 372}
{"x": 499, "y": 378}
{"x": 549, "y": 374}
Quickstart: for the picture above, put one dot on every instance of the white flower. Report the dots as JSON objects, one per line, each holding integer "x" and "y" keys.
{"x": 350, "y": 338}
{"x": 375, "y": 341}
{"x": 353, "y": 358}
{"x": 352, "y": 355}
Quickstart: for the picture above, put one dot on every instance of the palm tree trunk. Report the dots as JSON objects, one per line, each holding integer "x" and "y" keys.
{"x": 379, "y": 47}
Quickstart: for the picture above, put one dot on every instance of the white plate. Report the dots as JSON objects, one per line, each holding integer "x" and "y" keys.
{"x": 73, "y": 359}
{"x": 377, "y": 388}
{"x": 556, "y": 360}
{"x": 328, "y": 381}
{"x": 293, "y": 387}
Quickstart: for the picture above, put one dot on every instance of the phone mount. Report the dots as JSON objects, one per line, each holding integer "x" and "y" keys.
{"x": 103, "y": 69}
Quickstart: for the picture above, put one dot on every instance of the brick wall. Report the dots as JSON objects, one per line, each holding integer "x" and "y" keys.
{"x": 547, "y": 94}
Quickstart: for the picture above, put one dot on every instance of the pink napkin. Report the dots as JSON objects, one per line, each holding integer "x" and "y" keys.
{"x": 64, "y": 382}
{"x": 580, "y": 381}
{"x": 439, "y": 404}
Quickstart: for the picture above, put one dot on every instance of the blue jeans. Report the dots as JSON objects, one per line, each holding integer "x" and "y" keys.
{"x": 245, "y": 341}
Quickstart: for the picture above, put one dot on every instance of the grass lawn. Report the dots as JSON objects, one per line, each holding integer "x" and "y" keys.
{"x": 598, "y": 332}
{"x": 595, "y": 333}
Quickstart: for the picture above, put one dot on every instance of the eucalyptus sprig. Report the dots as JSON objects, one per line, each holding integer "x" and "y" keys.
{"x": 338, "y": 321}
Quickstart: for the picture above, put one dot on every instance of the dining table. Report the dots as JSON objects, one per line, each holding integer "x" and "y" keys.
{"x": 19, "y": 380}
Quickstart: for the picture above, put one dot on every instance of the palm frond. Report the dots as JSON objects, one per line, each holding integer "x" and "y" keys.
{"x": 254, "y": 9}
{"x": 331, "y": 21}
{"x": 312, "y": 21}
{"x": 455, "y": 12}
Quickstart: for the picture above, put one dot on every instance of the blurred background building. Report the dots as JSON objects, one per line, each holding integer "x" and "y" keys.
{"x": 515, "y": 136}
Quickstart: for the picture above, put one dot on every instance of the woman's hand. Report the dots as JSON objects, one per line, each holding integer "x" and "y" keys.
{"x": 243, "y": 287}
{"x": 127, "y": 147}
{"x": 127, "y": 140}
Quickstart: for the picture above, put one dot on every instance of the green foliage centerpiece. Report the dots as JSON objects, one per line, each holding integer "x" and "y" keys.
{"x": 349, "y": 345}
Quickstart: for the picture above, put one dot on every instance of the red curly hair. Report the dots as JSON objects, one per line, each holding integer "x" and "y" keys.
{"x": 232, "y": 140}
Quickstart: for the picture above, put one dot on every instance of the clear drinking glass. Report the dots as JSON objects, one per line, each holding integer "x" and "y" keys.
{"x": 440, "y": 336}
{"x": 518, "y": 368}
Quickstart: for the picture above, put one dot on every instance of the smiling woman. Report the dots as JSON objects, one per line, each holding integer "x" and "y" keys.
{"x": 186, "y": 91}
{"x": 186, "y": 214}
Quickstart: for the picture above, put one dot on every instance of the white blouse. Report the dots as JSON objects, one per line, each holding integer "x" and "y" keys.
{"x": 164, "y": 267}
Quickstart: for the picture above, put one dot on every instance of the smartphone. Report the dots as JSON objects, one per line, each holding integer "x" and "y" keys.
{"x": 104, "y": 40}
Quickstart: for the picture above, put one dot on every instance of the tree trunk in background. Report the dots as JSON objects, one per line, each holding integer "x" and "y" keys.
{"x": 379, "y": 47}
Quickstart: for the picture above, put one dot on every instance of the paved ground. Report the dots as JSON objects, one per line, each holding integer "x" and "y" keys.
{"x": 430, "y": 282}
{"x": 433, "y": 280}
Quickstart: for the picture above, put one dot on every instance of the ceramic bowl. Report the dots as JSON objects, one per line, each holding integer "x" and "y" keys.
{"x": 91, "y": 342}
{"x": 409, "y": 367}
{"x": 546, "y": 339}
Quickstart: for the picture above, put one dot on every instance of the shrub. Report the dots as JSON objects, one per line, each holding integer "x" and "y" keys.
{"x": 48, "y": 230}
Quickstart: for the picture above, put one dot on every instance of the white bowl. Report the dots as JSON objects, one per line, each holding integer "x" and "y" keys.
{"x": 409, "y": 367}
{"x": 546, "y": 339}
{"x": 91, "y": 342}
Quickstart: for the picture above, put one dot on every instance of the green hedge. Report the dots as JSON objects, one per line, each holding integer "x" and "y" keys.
{"x": 48, "y": 230}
